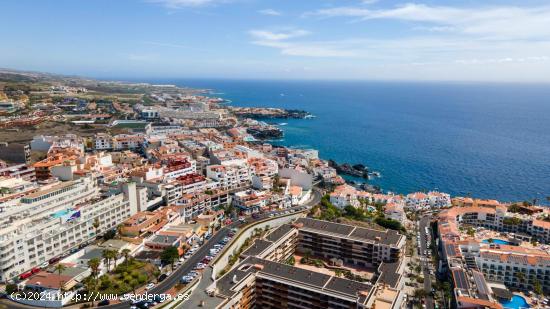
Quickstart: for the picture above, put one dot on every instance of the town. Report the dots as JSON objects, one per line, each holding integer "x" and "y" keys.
{"x": 120, "y": 190}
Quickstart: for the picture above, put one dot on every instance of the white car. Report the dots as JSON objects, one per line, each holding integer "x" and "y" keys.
{"x": 150, "y": 286}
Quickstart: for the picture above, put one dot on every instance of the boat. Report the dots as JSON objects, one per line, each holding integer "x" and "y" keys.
{"x": 283, "y": 124}
{"x": 309, "y": 116}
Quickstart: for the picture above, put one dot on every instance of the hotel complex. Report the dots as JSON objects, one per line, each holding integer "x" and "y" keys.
{"x": 487, "y": 249}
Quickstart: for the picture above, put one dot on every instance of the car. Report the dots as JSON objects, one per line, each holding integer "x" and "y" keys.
{"x": 162, "y": 277}
{"x": 271, "y": 215}
{"x": 208, "y": 257}
{"x": 142, "y": 304}
{"x": 200, "y": 266}
{"x": 186, "y": 279}
{"x": 133, "y": 307}
{"x": 226, "y": 239}
{"x": 193, "y": 273}
{"x": 104, "y": 302}
{"x": 187, "y": 255}
{"x": 159, "y": 299}
{"x": 150, "y": 286}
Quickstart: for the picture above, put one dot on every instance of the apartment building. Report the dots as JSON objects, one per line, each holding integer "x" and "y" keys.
{"x": 193, "y": 204}
{"x": 432, "y": 199}
{"x": 229, "y": 176}
{"x": 262, "y": 280}
{"x": 190, "y": 183}
{"x": 261, "y": 283}
{"x": 278, "y": 246}
{"x": 351, "y": 244}
{"x": 179, "y": 167}
{"x": 48, "y": 223}
{"x": 343, "y": 196}
{"x": 251, "y": 201}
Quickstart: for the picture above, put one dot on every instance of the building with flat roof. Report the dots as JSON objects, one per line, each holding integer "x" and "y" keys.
{"x": 351, "y": 244}
{"x": 260, "y": 283}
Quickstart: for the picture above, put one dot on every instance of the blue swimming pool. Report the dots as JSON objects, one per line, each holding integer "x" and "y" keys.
{"x": 497, "y": 242}
{"x": 515, "y": 303}
{"x": 61, "y": 213}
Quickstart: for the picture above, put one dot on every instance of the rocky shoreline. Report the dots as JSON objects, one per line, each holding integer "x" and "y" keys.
{"x": 268, "y": 113}
{"x": 356, "y": 170}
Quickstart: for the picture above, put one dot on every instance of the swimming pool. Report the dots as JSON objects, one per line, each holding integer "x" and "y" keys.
{"x": 497, "y": 242}
{"x": 61, "y": 213}
{"x": 515, "y": 303}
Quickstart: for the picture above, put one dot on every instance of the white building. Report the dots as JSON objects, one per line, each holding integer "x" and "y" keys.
{"x": 229, "y": 176}
{"x": 48, "y": 223}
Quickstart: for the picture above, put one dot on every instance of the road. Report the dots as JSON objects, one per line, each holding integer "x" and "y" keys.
{"x": 190, "y": 263}
{"x": 425, "y": 260}
{"x": 204, "y": 250}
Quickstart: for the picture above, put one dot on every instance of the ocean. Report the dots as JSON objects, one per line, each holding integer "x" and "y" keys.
{"x": 480, "y": 139}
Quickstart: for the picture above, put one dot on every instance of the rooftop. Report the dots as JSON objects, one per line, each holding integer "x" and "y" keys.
{"x": 388, "y": 237}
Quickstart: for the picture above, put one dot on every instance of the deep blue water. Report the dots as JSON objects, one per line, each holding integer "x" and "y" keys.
{"x": 487, "y": 140}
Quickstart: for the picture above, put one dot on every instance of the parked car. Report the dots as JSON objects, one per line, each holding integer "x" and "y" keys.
{"x": 150, "y": 286}
{"x": 104, "y": 302}
{"x": 162, "y": 277}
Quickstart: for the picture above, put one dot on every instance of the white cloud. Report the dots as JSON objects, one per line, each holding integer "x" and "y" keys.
{"x": 178, "y": 4}
{"x": 270, "y": 12}
{"x": 285, "y": 43}
{"x": 277, "y": 36}
{"x": 498, "y": 22}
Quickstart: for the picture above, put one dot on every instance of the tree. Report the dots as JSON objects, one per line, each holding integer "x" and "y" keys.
{"x": 110, "y": 234}
{"x": 11, "y": 288}
{"x": 91, "y": 287}
{"x": 94, "y": 266}
{"x": 419, "y": 293}
{"x": 116, "y": 256}
{"x": 59, "y": 268}
{"x": 96, "y": 225}
{"x": 126, "y": 255}
{"x": 133, "y": 284}
{"x": 106, "y": 255}
{"x": 537, "y": 287}
{"x": 170, "y": 255}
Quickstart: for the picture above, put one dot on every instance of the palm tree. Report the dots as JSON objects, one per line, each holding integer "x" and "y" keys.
{"x": 94, "y": 266}
{"x": 116, "y": 256}
{"x": 59, "y": 268}
{"x": 106, "y": 255}
{"x": 91, "y": 287}
{"x": 96, "y": 225}
{"x": 126, "y": 255}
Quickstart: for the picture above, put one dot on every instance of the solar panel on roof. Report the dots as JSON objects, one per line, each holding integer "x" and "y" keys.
{"x": 480, "y": 283}
{"x": 460, "y": 279}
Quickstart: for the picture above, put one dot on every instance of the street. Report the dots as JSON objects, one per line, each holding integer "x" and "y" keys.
{"x": 425, "y": 260}
{"x": 190, "y": 263}
{"x": 204, "y": 250}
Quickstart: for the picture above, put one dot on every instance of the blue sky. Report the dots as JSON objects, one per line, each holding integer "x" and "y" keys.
{"x": 310, "y": 39}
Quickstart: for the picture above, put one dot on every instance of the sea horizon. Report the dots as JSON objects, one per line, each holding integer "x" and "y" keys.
{"x": 444, "y": 156}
